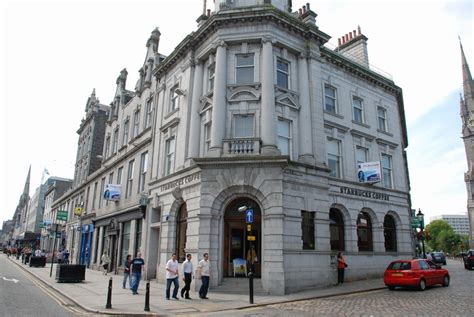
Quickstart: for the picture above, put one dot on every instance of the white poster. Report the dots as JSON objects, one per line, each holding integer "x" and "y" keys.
{"x": 369, "y": 172}
{"x": 47, "y": 223}
{"x": 112, "y": 192}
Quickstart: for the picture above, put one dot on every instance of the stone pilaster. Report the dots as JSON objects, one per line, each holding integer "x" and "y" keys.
{"x": 219, "y": 101}
{"x": 194, "y": 125}
{"x": 268, "y": 113}
{"x": 305, "y": 128}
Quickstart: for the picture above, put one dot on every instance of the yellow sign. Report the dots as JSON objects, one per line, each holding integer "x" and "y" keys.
{"x": 251, "y": 238}
{"x": 249, "y": 227}
{"x": 78, "y": 211}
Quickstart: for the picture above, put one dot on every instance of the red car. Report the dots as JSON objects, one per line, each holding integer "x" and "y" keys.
{"x": 418, "y": 273}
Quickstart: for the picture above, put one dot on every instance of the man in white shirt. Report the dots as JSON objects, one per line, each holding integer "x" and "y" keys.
{"x": 187, "y": 276}
{"x": 172, "y": 277}
{"x": 204, "y": 271}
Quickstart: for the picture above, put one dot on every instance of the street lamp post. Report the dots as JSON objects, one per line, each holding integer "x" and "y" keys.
{"x": 420, "y": 217}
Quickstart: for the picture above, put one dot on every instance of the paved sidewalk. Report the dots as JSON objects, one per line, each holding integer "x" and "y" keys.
{"x": 91, "y": 295}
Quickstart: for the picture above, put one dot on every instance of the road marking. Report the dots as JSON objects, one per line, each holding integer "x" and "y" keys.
{"x": 10, "y": 280}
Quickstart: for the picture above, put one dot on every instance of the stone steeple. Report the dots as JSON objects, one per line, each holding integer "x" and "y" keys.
{"x": 26, "y": 189}
{"x": 467, "y": 116}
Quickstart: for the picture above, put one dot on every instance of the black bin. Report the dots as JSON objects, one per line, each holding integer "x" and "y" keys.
{"x": 38, "y": 261}
{"x": 75, "y": 273}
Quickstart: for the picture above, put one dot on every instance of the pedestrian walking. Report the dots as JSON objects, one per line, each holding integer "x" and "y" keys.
{"x": 172, "y": 276}
{"x": 203, "y": 270}
{"x": 126, "y": 271}
{"x": 105, "y": 260}
{"x": 187, "y": 276}
{"x": 341, "y": 266}
{"x": 136, "y": 267}
{"x": 66, "y": 256}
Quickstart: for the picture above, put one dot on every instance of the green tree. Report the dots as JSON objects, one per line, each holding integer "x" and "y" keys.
{"x": 439, "y": 231}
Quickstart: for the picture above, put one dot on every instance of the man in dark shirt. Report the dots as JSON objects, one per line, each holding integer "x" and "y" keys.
{"x": 136, "y": 268}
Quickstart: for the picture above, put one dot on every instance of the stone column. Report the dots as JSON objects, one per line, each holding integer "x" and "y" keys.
{"x": 100, "y": 247}
{"x": 93, "y": 247}
{"x": 194, "y": 125}
{"x": 268, "y": 113}
{"x": 305, "y": 131}
{"x": 219, "y": 101}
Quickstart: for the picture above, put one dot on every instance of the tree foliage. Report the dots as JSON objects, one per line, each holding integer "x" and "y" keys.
{"x": 443, "y": 237}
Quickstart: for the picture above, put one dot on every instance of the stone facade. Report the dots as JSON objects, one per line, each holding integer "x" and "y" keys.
{"x": 250, "y": 119}
{"x": 282, "y": 180}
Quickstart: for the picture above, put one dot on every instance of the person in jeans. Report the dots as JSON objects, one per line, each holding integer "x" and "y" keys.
{"x": 204, "y": 271}
{"x": 126, "y": 271}
{"x": 172, "y": 277}
{"x": 136, "y": 267}
{"x": 188, "y": 275}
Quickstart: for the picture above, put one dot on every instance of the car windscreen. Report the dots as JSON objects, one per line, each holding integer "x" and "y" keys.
{"x": 399, "y": 266}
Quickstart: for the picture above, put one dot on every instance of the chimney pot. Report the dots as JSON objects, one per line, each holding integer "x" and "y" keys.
{"x": 300, "y": 11}
{"x": 350, "y": 35}
{"x": 339, "y": 42}
{"x": 304, "y": 8}
{"x": 355, "y": 34}
{"x": 347, "y": 37}
{"x": 358, "y": 28}
{"x": 307, "y": 6}
{"x": 208, "y": 12}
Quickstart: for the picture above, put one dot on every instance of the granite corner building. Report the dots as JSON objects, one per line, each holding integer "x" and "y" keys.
{"x": 251, "y": 111}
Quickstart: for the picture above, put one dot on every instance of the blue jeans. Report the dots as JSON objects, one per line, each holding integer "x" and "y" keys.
{"x": 204, "y": 286}
{"x": 126, "y": 275}
{"x": 135, "y": 281}
{"x": 175, "y": 281}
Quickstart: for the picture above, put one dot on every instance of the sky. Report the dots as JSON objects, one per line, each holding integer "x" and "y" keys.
{"x": 54, "y": 53}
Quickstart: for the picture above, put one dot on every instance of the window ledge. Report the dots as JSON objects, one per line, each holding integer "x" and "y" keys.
{"x": 169, "y": 114}
{"x": 333, "y": 114}
{"x": 361, "y": 124}
{"x": 385, "y": 132}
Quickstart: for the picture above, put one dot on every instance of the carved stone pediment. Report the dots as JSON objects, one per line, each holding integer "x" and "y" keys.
{"x": 206, "y": 104}
{"x": 244, "y": 93}
{"x": 288, "y": 99}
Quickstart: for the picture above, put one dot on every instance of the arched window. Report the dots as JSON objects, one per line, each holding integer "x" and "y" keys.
{"x": 336, "y": 229}
{"x": 390, "y": 234}
{"x": 181, "y": 227}
{"x": 364, "y": 232}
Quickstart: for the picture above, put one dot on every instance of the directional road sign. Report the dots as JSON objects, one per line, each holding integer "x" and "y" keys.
{"x": 249, "y": 216}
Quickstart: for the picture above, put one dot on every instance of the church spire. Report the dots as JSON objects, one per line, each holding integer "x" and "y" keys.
{"x": 467, "y": 82}
{"x": 26, "y": 190}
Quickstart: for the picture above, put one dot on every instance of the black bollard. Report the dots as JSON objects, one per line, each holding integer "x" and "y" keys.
{"x": 109, "y": 295}
{"x": 251, "y": 287}
{"x": 147, "y": 297}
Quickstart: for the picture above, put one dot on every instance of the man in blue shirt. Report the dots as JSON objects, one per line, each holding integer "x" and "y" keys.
{"x": 136, "y": 267}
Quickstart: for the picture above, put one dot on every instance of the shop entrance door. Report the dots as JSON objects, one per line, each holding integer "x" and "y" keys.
{"x": 242, "y": 239}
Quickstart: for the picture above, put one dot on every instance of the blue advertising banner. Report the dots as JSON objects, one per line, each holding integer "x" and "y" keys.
{"x": 369, "y": 172}
{"x": 112, "y": 192}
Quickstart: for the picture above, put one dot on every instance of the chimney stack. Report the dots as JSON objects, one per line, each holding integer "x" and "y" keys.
{"x": 353, "y": 45}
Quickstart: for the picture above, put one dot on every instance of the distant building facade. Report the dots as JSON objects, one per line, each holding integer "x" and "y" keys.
{"x": 467, "y": 116}
{"x": 56, "y": 188}
{"x": 251, "y": 133}
{"x": 459, "y": 223}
